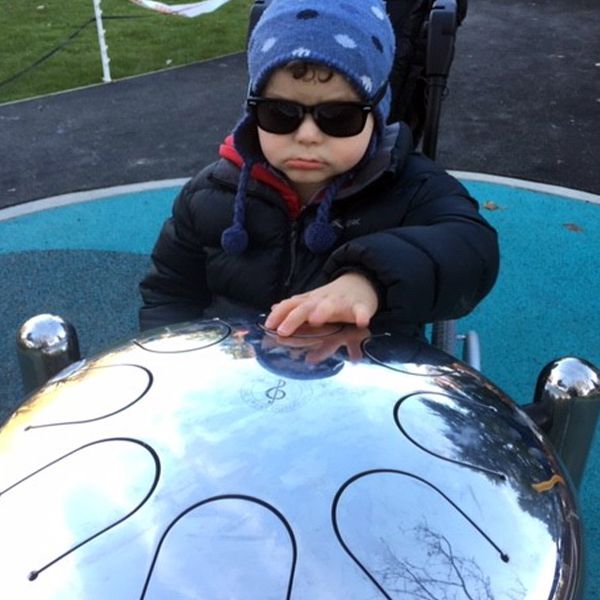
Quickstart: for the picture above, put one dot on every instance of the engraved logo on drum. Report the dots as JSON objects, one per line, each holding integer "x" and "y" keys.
{"x": 276, "y": 392}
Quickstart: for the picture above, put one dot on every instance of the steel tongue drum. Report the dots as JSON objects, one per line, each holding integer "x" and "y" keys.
{"x": 215, "y": 460}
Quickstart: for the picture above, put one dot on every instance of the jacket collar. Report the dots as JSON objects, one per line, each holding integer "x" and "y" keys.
{"x": 261, "y": 173}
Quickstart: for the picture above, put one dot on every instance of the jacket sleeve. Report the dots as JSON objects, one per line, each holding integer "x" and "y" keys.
{"x": 175, "y": 289}
{"x": 438, "y": 263}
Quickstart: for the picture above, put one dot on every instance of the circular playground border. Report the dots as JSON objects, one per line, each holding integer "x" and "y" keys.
{"x": 33, "y": 206}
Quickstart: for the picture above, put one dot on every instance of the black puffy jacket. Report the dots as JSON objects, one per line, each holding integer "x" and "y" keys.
{"x": 403, "y": 222}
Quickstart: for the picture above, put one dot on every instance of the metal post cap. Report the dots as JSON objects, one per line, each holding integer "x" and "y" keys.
{"x": 568, "y": 389}
{"x": 566, "y": 378}
{"x": 46, "y": 344}
{"x": 45, "y": 333}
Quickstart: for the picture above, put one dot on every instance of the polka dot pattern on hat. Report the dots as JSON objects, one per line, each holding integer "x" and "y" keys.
{"x": 307, "y": 14}
{"x": 268, "y": 44}
{"x": 377, "y": 43}
{"x": 345, "y": 40}
{"x": 378, "y": 12}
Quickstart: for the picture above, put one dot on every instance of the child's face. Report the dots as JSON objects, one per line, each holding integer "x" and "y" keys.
{"x": 307, "y": 156}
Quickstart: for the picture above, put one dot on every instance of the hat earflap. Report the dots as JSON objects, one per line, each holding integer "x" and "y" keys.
{"x": 234, "y": 240}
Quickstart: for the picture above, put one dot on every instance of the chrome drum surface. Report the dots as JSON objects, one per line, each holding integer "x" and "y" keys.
{"x": 215, "y": 460}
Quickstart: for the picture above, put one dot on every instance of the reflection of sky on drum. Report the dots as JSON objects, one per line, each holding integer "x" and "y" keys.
{"x": 184, "y": 338}
{"x": 102, "y": 391}
{"x": 67, "y": 503}
{"x": 242, "y": 546}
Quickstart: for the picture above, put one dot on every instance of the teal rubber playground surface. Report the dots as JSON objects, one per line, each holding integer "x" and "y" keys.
{"x": 81, "y": 255}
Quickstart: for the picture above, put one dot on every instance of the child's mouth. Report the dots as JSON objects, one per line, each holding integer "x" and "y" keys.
{"x": 303, "y": 164}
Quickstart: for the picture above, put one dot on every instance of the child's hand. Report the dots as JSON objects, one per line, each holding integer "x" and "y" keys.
{"x": 351, "y": 298}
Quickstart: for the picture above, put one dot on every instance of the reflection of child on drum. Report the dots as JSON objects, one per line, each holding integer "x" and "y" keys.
{"x": 317, "y": 211}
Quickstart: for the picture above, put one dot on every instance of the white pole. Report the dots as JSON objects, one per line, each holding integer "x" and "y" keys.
{"x": 102, "y": 42}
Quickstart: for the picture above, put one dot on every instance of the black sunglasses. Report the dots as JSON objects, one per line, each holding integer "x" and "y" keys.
{"x": 337, "y": 119}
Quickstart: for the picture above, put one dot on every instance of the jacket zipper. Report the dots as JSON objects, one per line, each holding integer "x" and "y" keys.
{"x": 293, "y": 253}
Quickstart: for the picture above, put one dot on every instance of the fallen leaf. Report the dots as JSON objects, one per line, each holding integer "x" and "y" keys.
{"x": 544, "y": 486}
{"x": 489, "y": 205}
{"x": 573, "y": 227}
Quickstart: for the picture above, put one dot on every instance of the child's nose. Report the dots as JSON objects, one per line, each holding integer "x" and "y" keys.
{"x": 308, "y": 129}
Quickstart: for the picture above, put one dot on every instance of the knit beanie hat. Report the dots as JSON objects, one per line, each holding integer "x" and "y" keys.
{"x": 352, "y": 37}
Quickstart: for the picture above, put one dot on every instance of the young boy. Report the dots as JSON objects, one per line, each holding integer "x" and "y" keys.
{"x": 317, "y": 211}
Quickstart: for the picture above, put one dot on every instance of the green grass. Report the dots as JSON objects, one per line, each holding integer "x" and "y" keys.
{"x": 30, "y": 29}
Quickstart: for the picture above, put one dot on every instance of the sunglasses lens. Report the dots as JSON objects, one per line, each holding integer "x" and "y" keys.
{"x": 278, "y": 117}
{"x": 340, "y": 120}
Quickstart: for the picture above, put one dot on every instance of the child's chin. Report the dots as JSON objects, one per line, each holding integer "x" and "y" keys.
{"x": 311, "y": 177}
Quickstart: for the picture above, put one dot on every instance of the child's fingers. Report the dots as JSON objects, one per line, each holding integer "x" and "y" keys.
{"x": 290, "y": 314}
{"x": 294, "y": 319}
{"x": 362, "y": 316}
{"x": 279, "y": 312}
{"x": 274, "y": 318}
